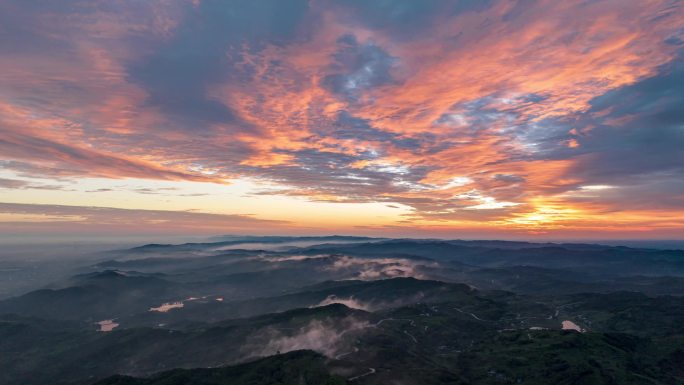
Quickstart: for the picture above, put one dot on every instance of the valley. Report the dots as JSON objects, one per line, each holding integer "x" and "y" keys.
{"x": 366, "y": 312}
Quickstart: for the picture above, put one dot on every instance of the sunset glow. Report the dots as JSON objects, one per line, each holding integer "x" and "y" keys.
{"x": 506, "y": 119}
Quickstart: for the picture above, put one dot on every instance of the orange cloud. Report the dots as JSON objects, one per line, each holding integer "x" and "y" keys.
{"x": 469, "y": 120}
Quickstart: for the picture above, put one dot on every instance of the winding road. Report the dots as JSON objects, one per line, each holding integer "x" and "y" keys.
{"x": 471, "y": 314}
{"x": 372, "y": 370}
{"x": 368, "y": 373}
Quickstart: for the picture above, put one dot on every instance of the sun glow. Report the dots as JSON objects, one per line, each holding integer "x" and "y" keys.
{"x": 484, "y": 117}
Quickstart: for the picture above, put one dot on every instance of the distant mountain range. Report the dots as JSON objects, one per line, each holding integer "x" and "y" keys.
{"x": 335, "y": 310}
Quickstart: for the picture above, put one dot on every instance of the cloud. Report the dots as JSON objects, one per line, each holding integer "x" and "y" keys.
{"x": 627, "y": 139}
{"x": 77, "y": 160}
{"x": 12, "y": 183}
{"x": 324, "y": 336}
{"x": 26, "y": 185}
{"x": 286, "y": 258}
{"x": 357, "y": 67}
{"x": 106, "y": 220}
{"x": 406, "y": 18}
{"x": 378, "y": 268}
{"x": 199, "y": 53}
{"x": 356, "y": 101}
{"x": 350, "y": 302}
{"x": 634, "y": 130}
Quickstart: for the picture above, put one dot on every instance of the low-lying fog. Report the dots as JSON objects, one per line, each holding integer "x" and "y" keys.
{"x": 280, "y": 246}
{"x": 25, "y": 267}
{"x": 30, "y": 264}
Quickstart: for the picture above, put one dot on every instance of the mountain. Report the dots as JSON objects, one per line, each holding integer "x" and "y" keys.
{"x": 362, "y": 311}
{"x": 364, "y": 295}
{"x": 93, "y": 297}
{"x": 300, "y": 367}
{"x": 613, "y": 261}
{"x": 69, "y": 356}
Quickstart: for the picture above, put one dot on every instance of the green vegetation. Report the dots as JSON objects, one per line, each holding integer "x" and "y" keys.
{"x": 260, "y": 317}
{"x": 294, "y": 368}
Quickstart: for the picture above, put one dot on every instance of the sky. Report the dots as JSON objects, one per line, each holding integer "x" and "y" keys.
{"x": 461, "y": 119}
